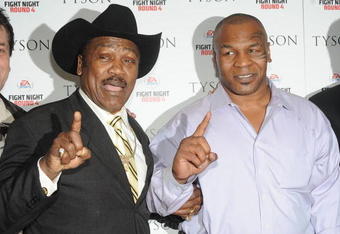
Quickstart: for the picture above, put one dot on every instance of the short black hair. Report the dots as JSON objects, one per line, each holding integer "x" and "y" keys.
{"x": 4, "y": 21}
{"x": 239, "y": 18}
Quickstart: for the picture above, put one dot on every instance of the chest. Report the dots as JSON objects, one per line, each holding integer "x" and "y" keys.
{"x": 280, "y": 155}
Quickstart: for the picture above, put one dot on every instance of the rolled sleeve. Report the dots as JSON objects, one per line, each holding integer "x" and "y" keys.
{"x": 166, "y": 195}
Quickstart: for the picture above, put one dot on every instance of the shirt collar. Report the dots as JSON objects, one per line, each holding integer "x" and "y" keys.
{"x": 5, "y": 115}
{"x": 277, "y": 97}
{"x": 101, "y": 113}
{"x": 221, "y": 98}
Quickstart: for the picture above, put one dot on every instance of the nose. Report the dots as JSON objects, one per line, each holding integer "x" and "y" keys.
{"x": 116, "y": 67}
{"x": 242, "y": 60}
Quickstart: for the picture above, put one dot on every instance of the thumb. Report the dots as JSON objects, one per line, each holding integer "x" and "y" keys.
{"x": 76, "y": 123}
{"x": 211, "y": 157}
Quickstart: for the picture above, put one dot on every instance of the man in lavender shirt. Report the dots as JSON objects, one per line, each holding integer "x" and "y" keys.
{"x": 267, "y": 161}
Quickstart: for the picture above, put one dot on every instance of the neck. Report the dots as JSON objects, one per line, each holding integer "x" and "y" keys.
{"x": 260, "y": 98}
{"x": 253, "y": 106}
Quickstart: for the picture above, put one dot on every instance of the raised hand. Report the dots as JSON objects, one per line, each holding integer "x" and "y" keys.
{"x": 194, "y": 154}
{"x": 67, "y": 150}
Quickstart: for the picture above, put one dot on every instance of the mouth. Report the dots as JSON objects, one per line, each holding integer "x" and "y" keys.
{"x": 245, "y": 77}
{"x": 114, "y": 84}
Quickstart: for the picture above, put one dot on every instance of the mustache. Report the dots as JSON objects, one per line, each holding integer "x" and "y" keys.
{"x": 115, "y": 81}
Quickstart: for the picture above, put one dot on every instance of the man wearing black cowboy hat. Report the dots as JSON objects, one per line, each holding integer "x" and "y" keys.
{"x": 82, "y": 165}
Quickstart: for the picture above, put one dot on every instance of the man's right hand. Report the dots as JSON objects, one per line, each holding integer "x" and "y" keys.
{"x": 194, "y": 154}
{"x": 74, "y": 153}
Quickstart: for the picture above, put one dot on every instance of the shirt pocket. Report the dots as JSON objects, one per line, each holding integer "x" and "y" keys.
{"x": 294, "y": 170}
{"x": 290, "y": 160}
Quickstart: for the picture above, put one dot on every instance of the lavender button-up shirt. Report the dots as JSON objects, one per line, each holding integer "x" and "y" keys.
{"x": 282, "y": 180}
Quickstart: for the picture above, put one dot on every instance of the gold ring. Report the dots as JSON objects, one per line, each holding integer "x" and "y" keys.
{"x": 61, "y": 152}
{"x": 192, "y": 211}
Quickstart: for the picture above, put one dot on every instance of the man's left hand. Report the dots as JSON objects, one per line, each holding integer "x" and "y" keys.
{"x": 192, "y": 206}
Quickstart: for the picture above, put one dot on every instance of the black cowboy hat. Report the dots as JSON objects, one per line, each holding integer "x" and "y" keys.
{"x": 115, "y": 21}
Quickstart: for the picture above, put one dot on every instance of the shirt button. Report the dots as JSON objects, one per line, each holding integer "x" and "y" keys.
{"x": 44, "y": 190}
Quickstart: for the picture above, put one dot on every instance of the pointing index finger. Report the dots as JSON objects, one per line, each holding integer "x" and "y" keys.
{"x": 76, "y": 123}
{"x": 200, "y": 130}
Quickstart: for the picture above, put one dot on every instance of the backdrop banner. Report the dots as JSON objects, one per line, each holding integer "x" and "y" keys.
{"x": 304, "y": 37}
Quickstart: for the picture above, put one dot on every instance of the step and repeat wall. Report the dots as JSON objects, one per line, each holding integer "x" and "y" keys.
{"x": 304, "y": 36}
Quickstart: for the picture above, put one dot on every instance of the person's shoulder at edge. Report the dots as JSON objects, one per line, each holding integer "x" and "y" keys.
{"x": 326, "y": 96}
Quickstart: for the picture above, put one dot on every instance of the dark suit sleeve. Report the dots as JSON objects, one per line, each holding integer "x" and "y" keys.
{"x": 171, "y": 221}
{"x": 21, "y": 197}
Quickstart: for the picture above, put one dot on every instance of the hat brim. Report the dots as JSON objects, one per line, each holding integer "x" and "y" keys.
{"x": 70, "y": 39}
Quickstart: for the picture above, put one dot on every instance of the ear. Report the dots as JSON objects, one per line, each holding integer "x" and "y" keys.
{"x": 80, "y": 65}
{"x": 268, "y": 55}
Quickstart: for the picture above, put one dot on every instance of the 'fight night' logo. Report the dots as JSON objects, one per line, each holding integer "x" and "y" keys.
{"x": 151, "y": 93}
{"x": 21, "y": 6}
{"x": 330, "y": 5}
{"x": 206, "y": 48}
{"x": 149, "y": 5}
{"x": 26, "y": 99}
{"x": 271, "y": 4}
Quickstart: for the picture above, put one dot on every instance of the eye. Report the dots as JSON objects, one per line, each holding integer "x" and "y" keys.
{"x": 256, "y": 51}
{"x": 130, "y": 60}
{"x": 253, "y": 51}
{"x": 228, "y": 53}
{"x": 3, "y": 51}
{"x": 103, "y": 57}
